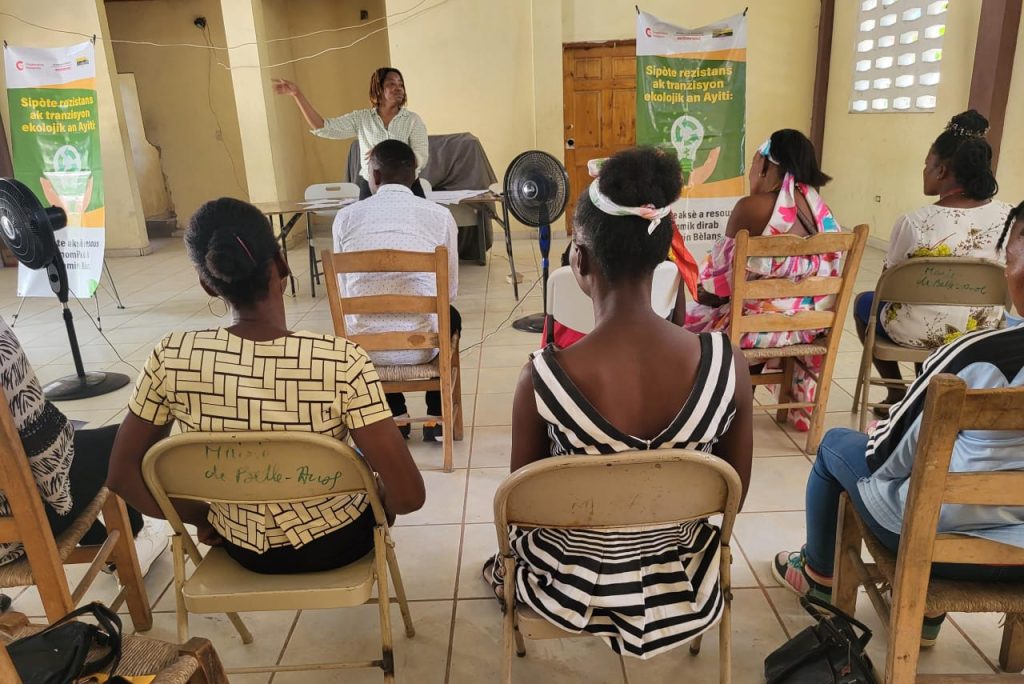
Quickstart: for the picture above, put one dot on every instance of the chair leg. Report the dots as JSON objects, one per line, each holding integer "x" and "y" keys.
{"x": 1011, "y": 651}
{"x": 785, "y": 388}
{"x": 509, "y": 644}
{"x": 178, "y": 556}
{"x": 384, "y": 605}
{"x": 844, "y": 579}
{"x": 447, "y": 417}
{"x": 908, "y": 605}
{"x": 211, "y": 670}
{"x": 403, "y": 603}
{"x": 725, "y": 643}
{"x": 129, "y": 574}
{"x": 458, "y": 429}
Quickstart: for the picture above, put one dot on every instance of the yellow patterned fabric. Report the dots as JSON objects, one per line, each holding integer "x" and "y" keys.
{"x": 213, "y": 381}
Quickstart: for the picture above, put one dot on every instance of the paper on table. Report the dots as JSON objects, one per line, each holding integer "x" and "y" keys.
{"x": 452, "y": 196}
{"x": 328, "y": 202}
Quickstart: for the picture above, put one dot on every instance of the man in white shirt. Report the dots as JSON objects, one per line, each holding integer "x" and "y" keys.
{"x": 394, "y": 218}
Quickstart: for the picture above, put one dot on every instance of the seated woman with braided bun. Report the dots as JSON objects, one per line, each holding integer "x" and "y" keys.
{"x": 964, "y": 222}
{"x": 636, "y": 382}
{"x": 327, "y": 383}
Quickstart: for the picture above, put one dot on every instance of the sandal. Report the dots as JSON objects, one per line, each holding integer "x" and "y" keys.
{"x": 487, "y": 572}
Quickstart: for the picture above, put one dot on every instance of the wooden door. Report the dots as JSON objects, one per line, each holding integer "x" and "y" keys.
{"x": 599, "y": 88}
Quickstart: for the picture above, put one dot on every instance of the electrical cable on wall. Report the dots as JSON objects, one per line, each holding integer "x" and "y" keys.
{"x": 209, "y": 99}
{"x": 413, "y": 12}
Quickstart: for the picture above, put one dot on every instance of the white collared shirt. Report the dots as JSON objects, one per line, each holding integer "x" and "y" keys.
{"x": 395, "y": 218}
{"x": 367, "y": 125}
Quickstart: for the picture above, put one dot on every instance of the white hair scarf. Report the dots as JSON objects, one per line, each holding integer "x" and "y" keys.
{"x": 648, "y": 211}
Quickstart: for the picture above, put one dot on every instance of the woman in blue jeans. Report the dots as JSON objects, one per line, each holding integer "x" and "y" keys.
{"x": 875, "y": 470}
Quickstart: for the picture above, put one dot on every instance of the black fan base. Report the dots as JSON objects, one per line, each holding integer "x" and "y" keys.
{"x": 93, "y": 384}
{"x": 533, "y": 323}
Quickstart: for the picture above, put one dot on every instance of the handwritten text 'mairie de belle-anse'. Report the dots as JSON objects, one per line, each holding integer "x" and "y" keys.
{"x": 267, "y": 472}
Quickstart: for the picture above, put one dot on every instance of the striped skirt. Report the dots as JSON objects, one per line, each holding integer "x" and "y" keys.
{"x": 643, "y": 590}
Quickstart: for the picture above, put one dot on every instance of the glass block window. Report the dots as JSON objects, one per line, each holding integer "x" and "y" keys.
{"x": 897, "y": 60}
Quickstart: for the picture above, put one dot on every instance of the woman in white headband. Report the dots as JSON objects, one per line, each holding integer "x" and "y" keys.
{"x": 784, "y": 182}
{"x": 635, "y": 382}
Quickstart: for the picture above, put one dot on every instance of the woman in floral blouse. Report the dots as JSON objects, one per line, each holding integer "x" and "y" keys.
{"x": 964, "y": 222}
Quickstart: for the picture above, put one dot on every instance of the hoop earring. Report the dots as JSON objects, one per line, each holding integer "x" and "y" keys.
{"x": 209, "y": 305}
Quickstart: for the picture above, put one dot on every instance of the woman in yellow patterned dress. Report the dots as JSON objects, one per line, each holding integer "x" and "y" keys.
{"x": 256, "y": 374}
{"x": 965, "y": 222}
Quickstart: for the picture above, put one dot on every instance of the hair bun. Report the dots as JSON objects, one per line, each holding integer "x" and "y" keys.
{"x": 641, "y": 176}
{"x": 227, "y": 259}
{"x": 969, "y": 124}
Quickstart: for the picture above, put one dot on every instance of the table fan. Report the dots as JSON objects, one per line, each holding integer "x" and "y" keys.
{"x": 28, "y": 231}
{"x": 536, "y": 192}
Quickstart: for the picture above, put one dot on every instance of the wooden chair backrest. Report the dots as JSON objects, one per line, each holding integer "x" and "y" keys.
{"x": 27, "y": 523}
{"x": 391, "y": 261}
{"x": 255, "y": 468}
{"x": 949, "y": 408}
{"x": 944, "y": 281}
{"x": 657, "y": 487}
{"x": 850, "y": 244}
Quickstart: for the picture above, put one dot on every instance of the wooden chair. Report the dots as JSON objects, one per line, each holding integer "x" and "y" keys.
{"x": 443, "y": 373}
{"x": 45, "y": 557}
{"x": 195, "y": 662}
{"x": 942, "y": 281}
{"x": 827, "y": 346}
{"x": 949, "y": 408}
{"x": 290, "y": 467}
{"x": 621, "y": 490}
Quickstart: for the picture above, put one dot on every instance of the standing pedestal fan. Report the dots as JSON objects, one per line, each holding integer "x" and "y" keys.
{"x": 27, "y": 229}
{"x": 536, "y": 192}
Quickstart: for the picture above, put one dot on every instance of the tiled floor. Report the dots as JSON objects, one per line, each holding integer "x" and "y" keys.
{"x": 441, "y": 547}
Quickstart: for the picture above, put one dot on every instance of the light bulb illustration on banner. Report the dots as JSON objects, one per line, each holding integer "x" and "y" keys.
{"x": 69, "y": 183}
{"x": 686, "y": 136}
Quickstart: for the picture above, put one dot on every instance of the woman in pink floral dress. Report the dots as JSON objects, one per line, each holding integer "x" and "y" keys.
{"x": 783, "y": 200}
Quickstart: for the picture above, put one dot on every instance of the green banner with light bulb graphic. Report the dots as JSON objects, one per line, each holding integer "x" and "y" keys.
{"x": 51, "y": 93}
{"x": 691, "y": 102}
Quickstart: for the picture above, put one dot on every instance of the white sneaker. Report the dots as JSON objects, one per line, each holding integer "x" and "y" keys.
{"x": 151, "y": 541}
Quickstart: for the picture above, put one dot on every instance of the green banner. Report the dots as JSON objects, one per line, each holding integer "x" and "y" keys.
{"x": 691, "y": 102}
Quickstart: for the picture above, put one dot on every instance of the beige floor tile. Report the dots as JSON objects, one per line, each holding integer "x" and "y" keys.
{"x": 498, "y": 380}
{"x": 952, "y": 654}
{"x": 483, "y": 482}
{"x": 494, "y": 409}
{"x": 492, "y": 447}
{"x": 446, "y": 494}
{"x": 762, "y": 535}
{"x": 770, "y": 439}
{"x": 354, "y": 634}
{"x": 777, "y": 484}
{"x": 479, "y": 542}
{"x": 269, "y": 630}
{"x": 984, "y": 629}
{"x": 477, "y": 652}
{"x": 506, "y": 357}
{"x": 428, "y": 556}
{"x": 430, "y": 455}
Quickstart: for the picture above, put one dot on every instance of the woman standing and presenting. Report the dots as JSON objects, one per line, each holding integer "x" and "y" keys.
{"x": 387, "y": 119}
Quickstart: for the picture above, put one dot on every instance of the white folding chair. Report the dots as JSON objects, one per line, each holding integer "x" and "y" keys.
{"x": 571, "y": 307}
{"x": 323, "y": 191}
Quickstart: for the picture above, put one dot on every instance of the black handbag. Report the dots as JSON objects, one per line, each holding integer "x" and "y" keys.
{"x": 828, "y": 652}
{"x": 60, "y": 653}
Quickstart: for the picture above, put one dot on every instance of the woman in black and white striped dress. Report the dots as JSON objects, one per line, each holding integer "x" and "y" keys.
{"x": 636, "y": 382}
